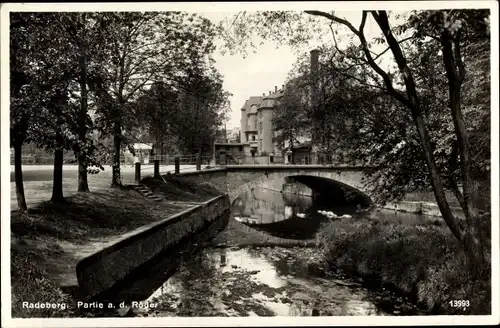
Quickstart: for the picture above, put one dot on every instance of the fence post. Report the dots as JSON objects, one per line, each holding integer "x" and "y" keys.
{"x": 177, "y": 164}
{"x": 156, "y": 168}
{"x": 138, "y": 172}
{"x": 198, "y": 162}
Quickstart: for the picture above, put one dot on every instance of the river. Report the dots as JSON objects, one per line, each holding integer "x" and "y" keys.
{"x": 259, "y": 261}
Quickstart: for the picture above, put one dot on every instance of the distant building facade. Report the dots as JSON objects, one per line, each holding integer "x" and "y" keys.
{"x": 257, "y": 130}
{"x": 256, "y": 124}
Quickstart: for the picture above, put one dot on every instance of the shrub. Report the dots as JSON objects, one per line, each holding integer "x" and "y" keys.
{"x": 30, "y": 284}
{"x": 424, "y": 261}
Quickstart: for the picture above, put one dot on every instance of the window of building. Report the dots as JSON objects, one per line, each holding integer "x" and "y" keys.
{"x": 241, "y": 148}
{"x": 253, "y": 138}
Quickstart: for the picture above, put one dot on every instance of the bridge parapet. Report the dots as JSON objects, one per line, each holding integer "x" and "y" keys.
{"x": 237, "y": 179}
{"x": 290, "y": 167}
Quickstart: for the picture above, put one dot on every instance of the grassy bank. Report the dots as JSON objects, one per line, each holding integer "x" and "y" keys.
{"x": 50, "y": 236}
{"x": 180, "y": 188}
{"x": 424, "y": 262}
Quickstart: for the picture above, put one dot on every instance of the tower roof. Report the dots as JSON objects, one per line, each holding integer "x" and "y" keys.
{"x": 251, "y": 101}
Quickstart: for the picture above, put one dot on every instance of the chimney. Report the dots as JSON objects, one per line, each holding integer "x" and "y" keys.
{"x": 282, "y": 87}
{"x": 263, "y": 94}
{"x": 269, "y": 92}
{"x": 314, "y": 61}
{"x": 275, "y": 89}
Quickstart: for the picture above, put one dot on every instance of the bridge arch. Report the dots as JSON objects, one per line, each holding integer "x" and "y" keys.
{"x": 325, "y": 189}
{"x": 243, "y": 178}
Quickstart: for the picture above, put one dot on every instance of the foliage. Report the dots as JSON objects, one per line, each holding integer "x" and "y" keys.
{"x": 423, "y": 261}
{"x": 188, "y": 113}
{"x": 290, "y": 117}
{"x": 347, "y": 91}
{"x": 447, "y": 153}
{"x": 67, "y": 66}
{"x": 31, "y": 284}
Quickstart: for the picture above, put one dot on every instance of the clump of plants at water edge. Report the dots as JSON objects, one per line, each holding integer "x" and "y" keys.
{"x": 424, "y": 261}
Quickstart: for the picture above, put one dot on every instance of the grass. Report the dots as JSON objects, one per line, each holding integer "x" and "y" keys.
{"x": 424, "y": 262}
{"x": 31, "y": 284}
{"x": 47, "y": 231}
{"x": 88, "y": 215}
{"x": 182, "y": 188}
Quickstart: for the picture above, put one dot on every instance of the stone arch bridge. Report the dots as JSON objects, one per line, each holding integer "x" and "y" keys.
{"x": 238, "y": 179}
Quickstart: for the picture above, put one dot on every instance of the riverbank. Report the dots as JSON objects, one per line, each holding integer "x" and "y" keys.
{"x": 50, "y": 239}
{"x": 423, "y": 262}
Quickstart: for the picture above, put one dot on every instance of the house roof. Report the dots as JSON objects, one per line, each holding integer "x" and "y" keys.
{"x": 251, "y": 101}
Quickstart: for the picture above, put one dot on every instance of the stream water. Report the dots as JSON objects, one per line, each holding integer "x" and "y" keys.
{"x": 220, "y": 277}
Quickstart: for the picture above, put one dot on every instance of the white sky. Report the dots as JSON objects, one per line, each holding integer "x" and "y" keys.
{"x": 260, "y": 72}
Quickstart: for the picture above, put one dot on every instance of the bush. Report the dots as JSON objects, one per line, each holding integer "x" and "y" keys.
{"x": 424, "y": 261}
{"x": 30, "y": 284}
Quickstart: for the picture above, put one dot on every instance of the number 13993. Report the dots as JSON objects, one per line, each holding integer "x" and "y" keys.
{"x": 459, "y": 303}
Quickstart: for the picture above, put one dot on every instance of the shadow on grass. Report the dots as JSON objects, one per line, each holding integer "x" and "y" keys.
{"x": 181, "y": 188}
{"x": 86, "y": 215}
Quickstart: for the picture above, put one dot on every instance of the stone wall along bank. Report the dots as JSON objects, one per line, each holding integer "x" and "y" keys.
{"x": 105, "y": 268}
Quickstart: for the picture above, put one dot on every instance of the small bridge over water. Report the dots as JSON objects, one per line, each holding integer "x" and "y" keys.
{"x": 331, "y": 179}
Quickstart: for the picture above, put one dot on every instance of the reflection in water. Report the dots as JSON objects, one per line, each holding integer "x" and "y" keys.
{"x": 263, "y": 281}
{"x": 245, "y": 282}
{"x": 295, "y": 216}
{"x": 280, "y": 214}
{"x": 149, "y": 277}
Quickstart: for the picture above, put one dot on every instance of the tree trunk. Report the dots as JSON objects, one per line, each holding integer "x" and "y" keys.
{"x": 455, "y": 72}
{"x": 57, "y": 185}
{"x": 436, "y": 181}
{"x": 82, "y": 128}
{"x": 116, "y": 178}
{"x": 18, "y": 172}
{"x": 413, "y": 103}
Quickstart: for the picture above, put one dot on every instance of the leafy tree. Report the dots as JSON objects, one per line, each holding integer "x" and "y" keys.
{"x": 154, "y": 108}
{"x": 20, "y": 113}
{"x": 203, "y": 104}
{"x": 147, "y": 47}
{"x": 38, "y": 94}
{"x": 88, "y": 35}
{"x": 290, "y": 117}
{"x": 186, "y": 113}
{"x": 452, "y": 31}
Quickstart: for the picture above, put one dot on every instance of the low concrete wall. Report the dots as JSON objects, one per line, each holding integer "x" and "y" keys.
{"x": 425, "y": 208}
{"x": 105, "y": 268}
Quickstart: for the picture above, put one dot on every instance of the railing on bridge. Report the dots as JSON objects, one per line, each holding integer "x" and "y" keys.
{"x": 160, "y": 165}
{"x": 314, "y": 159}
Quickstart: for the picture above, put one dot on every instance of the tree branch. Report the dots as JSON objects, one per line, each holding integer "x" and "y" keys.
{"x": 363, "y": 21}
{"x": 333, "y": 18}
{"x": 388, "y": 48}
